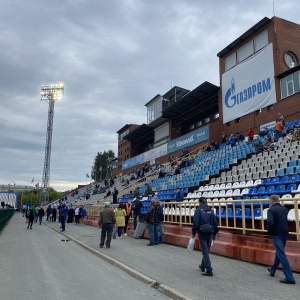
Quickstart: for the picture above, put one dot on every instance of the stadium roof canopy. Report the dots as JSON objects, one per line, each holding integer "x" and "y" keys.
{"x": 195, "y": 105}
{"x": 141, "y": 137}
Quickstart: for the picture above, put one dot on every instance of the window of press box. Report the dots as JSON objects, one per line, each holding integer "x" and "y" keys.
{"x": 237, "y": 120}
{"x": 270, "y": 107}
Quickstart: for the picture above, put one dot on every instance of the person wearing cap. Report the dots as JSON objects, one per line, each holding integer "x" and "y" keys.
{"x": 205, "y": 224}
{"x": 107, "y": 220}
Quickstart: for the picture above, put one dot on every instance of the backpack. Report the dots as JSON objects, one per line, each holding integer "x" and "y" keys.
{"x": 205, "y": 226}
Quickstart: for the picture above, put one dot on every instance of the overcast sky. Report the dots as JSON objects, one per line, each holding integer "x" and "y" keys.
{"x": 113, "y": 57}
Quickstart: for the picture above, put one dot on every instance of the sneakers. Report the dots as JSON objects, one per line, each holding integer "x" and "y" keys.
{"x": 270, "y": 271}
{"x": 287, "y": 281}
{"x": 150, "y": 244}
{"x": 202, "y": 268}
{"x": 101, "y": 246}
{"x": 125, "y": 234}
{"x": 208, "y": 273}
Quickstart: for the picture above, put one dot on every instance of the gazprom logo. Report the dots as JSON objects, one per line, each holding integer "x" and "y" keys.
{"x": 232, "y": 98}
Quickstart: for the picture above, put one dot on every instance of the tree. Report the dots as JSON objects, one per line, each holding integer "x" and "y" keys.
{"x": 101, "y": 168}
{"x": 33, "y": 196}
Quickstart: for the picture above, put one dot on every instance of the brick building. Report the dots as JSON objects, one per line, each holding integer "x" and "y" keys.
{"x": 260, "y": 80}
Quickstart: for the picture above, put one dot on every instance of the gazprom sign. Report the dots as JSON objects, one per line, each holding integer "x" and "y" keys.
{"x": 249, "y": 86}
{"x": 190, "y": 139}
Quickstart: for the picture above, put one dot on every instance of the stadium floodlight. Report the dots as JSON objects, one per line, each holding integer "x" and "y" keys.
{"x": 49, "y": 93}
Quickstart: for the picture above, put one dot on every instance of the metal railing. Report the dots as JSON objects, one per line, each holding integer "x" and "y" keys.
{"x": 239, "y": 215}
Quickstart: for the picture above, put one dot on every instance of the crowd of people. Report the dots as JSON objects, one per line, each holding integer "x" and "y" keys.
{"x": 63, "y": 213}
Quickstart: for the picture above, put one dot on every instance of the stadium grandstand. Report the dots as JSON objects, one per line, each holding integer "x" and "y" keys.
{"x": 199, "y": 141}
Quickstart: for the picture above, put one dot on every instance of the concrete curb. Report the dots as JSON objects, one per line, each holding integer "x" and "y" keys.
{"x": 153, "y": 283}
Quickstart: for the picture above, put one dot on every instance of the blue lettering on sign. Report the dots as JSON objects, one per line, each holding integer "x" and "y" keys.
{"x": 232, "y": 98}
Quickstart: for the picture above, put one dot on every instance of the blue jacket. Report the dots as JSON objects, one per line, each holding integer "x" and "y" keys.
{"x": 204, "y": 215}
{"x": 63, "y": 211}
{"x": 277, "y": 220}
{"x": 179, "y": 196}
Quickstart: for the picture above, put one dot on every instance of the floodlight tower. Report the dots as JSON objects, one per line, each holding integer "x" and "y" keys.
{"x": 50, "y": 94}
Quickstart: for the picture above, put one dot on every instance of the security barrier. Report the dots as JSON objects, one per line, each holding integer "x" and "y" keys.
{"x": 5, "y": 215}
{"x": 239, "y": 215}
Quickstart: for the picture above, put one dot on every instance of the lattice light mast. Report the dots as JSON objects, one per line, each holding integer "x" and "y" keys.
{"x": 49, "y": 93}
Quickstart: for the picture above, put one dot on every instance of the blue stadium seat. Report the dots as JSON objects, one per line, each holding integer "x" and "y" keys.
{"x": 274, "y": 180}
{"x": 289, "y": 171}
{"x": 294, "y": 178}
{"x": 257, "y": 212}
{"x": 280, "y": 172}
{"x": 284, "y": 179}
{"x": 280, "y": 189}
{"x": 292, "y": 163}
{"x": 269, "y": 190}
{"x": 291, "y": 187}
{"x": 238, "y": 213}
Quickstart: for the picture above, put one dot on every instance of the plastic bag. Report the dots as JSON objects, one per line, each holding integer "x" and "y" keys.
{"x": 190, "y": 245}
{"x": 114, "y": 234}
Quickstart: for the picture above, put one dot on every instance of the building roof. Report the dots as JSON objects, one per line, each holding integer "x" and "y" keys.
{"x": 123, "y": 128}
{"x": 154, "y": 98}
{"x": 203, "y": 99}
{"x": 141, "y": 136}
{"x": 244, "y": 36}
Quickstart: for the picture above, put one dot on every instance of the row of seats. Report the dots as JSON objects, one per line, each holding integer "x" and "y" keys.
{"x": 258, "y": 213}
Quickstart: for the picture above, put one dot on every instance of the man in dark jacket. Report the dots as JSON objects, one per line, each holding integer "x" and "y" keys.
{"x": 207, "y": 227}
{"x": 137, "y": 211}
{"x": 63, "y": 212}
{"x": 41, "y": 214}
{"x": 49, "y": 211}
{"x": 115, "y": 195}
{"x": 278, "y": 231}
{"x": 107, "y": 220}
{"x": 153, "y": 221}
{"x": 179, "y": 195}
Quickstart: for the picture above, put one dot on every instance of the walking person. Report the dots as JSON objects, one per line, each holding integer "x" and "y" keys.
{"x": 205, "y": 224}
{"x": 128, "y": 207}
{"x": 63, "y": 212}
{"x": 107, "y": 220}
{"x": 278, "y": 231}
{"x": 41, "y": 214}
{"x": 120, "y": 219}
{"x": 31, "y": 215}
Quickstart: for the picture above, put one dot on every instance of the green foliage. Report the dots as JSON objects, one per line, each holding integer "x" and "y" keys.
{"x": 101, "y": 168}
{"x": 33, "y": 196}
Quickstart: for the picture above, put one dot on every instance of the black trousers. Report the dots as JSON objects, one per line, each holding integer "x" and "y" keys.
{"x": 30, "y": 221}
{"x": 106, "y": 233}
{"x": 126, "y": 223}
{"x": 205, "y": 243}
